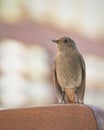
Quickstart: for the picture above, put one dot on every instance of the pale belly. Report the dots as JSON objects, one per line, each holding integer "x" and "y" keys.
{"x": 69, "y": 72}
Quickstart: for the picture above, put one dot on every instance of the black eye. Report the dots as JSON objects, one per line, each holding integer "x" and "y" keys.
{"x": 65, "y": 41}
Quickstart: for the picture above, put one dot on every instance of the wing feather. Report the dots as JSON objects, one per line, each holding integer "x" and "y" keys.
{"x": 56, "y": 83}
{"x": 81, "y": 88}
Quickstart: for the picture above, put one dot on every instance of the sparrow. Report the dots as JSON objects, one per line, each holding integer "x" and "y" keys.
{"x": 69, "y": 72}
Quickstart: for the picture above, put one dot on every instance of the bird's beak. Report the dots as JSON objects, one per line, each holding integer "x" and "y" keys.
{"x": 56, "y": 41}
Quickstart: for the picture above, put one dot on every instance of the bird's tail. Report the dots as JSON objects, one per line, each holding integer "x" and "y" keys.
{"x": 70, "y": 95}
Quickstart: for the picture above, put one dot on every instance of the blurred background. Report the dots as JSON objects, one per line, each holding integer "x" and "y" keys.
{"x": 27, "y": 53}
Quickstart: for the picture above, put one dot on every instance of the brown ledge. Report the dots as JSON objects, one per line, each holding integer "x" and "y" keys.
{"x": 54, "y": 117}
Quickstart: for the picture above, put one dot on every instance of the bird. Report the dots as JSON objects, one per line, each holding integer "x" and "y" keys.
{"x": 69, "y": 72}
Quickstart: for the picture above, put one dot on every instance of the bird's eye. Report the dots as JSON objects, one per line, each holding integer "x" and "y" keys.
{"x": 65, "y": 41}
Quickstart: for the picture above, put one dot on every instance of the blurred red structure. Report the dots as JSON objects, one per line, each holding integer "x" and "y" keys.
{"x": 43, "y": 34}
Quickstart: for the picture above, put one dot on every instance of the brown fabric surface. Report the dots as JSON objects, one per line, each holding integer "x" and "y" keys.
{"x": 54, "y": 117}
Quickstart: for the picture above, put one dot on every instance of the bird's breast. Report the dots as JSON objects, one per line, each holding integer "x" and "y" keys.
{"x": 68, "y": 69}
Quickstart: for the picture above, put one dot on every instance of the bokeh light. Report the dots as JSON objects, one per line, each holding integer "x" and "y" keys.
{"x": 26, "y": 53}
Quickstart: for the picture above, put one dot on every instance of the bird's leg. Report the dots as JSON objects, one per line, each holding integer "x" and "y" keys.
{"x": 76, "y": 96}
{"x": 62, "y": 98}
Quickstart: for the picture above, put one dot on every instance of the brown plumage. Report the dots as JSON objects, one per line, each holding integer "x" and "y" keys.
{"x": 69, "y": 72}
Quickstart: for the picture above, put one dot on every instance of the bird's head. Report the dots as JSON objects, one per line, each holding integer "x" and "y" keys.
{"x": 65, "y": 42}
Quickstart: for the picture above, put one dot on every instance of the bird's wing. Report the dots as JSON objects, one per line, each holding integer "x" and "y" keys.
{"x": 81, "y": 88}
{"x": 56, "y": 83}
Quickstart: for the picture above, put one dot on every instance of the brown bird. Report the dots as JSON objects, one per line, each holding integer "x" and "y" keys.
{"x": 69, "y": 72}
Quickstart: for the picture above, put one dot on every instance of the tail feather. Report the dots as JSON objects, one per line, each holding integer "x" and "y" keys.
{"x": 70, "y": 94}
